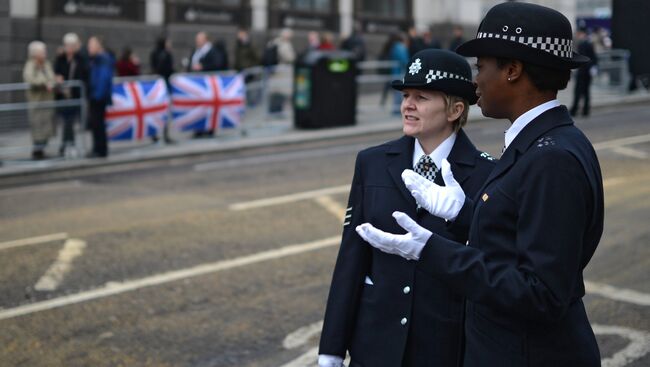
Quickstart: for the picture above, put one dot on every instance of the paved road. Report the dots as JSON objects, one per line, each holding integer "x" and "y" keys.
{"x": 226, "y": 260}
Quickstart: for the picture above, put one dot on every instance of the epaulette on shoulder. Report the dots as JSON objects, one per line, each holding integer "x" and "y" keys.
{"x": 487, "y": 156}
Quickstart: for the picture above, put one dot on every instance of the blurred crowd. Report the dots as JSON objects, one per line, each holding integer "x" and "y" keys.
{"x": 95, "y": 66}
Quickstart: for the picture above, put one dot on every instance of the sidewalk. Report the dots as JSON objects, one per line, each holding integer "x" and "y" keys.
{"x": 371, "y": 118}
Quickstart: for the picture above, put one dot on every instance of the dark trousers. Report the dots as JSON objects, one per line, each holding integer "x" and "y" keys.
{"x": 97, "y": 124}
{"x": 68, "y": 115}
{"x": 581, "y": 91}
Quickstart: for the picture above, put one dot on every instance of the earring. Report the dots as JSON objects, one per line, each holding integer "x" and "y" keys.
{"x": 509, "y": 79}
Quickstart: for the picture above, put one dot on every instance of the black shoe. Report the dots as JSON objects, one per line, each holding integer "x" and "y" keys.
{"x": 38, "y": 155}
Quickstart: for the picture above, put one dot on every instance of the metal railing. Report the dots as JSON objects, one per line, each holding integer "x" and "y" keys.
{"x": 15, "y": 110}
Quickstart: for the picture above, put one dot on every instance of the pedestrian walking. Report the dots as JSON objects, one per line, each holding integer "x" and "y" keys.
{"x": 100, "y": 89}
{"x": 38, "y": 73}
{"x": 535, "y": 224}
{"x": 381, "y": 309}
{"x": 584, "y": 74}
{"x": 280, "y": 78}
{"x": 70, "y": 65}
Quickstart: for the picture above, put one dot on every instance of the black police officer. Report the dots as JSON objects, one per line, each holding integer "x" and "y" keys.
{"x": 380, "y": 308}
{"x": 536, "y": 223}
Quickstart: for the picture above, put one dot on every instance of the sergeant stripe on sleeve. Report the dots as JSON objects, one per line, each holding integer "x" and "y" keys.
{"x": 348, "y": 216}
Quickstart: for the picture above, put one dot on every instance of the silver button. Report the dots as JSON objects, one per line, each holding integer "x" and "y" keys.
{"x": 407, "y": 290}
{"x": 404, "y": 320}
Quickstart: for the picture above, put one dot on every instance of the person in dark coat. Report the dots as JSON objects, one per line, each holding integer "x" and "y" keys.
{"x": 415, "y": 42}
{"x": 161, "y": 62}
{"x": 70, "y": 65}
{"x": 535, "y": 224}
{"x": 583, "y": 75}
{"x": 246, "y": 55}
{"x": 355, "y": 43}
{"x": 457, "y": 38}
{"x": 161, "y": 59}
{"x": 205, "y": 57}
{"x": 380, "y": 308}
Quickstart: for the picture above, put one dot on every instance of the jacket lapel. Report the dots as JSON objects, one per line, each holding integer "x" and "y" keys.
{"x": 548, "y": 120}
{"x": 462, "y": 157}
{"x": 400, "y": 157}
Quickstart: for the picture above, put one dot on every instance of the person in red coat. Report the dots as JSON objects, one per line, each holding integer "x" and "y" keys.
{"x": 129, "y": 64}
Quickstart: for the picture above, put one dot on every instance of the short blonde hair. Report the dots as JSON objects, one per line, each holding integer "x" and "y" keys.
{"x": 36, "y": 47}
{"x": 450, "y": 101}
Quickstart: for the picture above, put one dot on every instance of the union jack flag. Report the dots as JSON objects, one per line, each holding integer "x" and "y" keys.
{"x": 207, "y": 102}
{"x": 139, "y": 110}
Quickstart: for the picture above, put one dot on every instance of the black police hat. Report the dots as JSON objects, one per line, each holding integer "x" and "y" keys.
{"x": 528, "y": 32}
{"x": 440, "y": 70}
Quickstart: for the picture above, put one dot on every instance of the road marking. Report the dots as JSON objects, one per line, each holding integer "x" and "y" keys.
{"x": 308, "y": 358}
{"x": 113, "y": 288}
{"x": 639, "y": 345}
{"x": 331, "y": 206}
{"x": 630, "y": 152}
{"x": 618, "y": 294}
{"x": 305, "y": 195}
{"x": 302, "y": 335}
{"x": 33, "y": 240}
{"x": 622, "y": 141}
{"x": 614, "y": 181}
{"x": 42, "y": 187}
{"x": 299, "y": 338}
{"x": 56, "y": 272}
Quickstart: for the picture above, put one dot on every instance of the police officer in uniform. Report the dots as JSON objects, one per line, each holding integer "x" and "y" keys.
{"x": 380, "y": 309}
{"x": 536, "y": 222}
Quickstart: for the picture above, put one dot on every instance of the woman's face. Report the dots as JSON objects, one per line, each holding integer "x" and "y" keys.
{"x": 492, "y": 88}
{"x": 424, "y": 113}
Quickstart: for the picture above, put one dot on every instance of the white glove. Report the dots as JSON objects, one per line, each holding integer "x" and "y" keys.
{"x": 442, "y": 201}
{"x": 326, "y": 360}
{"x": 408, "y": 246}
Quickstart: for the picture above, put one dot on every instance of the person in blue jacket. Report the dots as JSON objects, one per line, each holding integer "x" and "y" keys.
{"x": 380, "y": 309}
{"x": 100, "y": 89}
{"x": 535, "y": 224}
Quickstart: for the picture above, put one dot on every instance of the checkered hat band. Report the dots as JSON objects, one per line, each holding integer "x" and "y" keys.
{"x": 557, "y": 46}
{"x": 437, "y": 75}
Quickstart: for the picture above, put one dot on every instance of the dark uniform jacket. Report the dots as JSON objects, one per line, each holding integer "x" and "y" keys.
{"x": 405, "y": 316}
{"x": 534, "y": 227}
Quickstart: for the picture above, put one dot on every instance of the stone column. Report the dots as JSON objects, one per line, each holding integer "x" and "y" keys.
{"x": 259, "y": 21}
{"x": 346, "y": 12}
{"x": 155, "y": 12}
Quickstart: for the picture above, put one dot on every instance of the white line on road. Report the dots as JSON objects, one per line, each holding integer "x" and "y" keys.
{"x": 42, "y": 187}
{"x": 113, "y": 288}
{"x": 331, "y": 206}
{"x": 54, "y": 275}
{"x": 305, "y": 195}
{"x": 308, "y": 358}
{"x": 302, "y": 335}
{"x": 622, "y": 141}
{"x": 618, "y": 294}
{"x": 33, "y": 240}
{"x": 638, "y": 347}
{"x": 630, "y": 152}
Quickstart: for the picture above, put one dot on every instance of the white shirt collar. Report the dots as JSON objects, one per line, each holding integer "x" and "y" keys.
{"x": 523, "y": 120}
{"x": 198, "y": 54}
{"x": 441, "y": 152}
